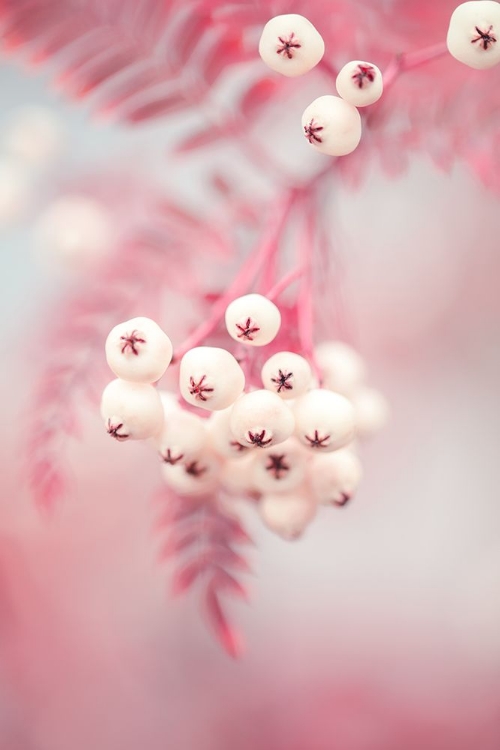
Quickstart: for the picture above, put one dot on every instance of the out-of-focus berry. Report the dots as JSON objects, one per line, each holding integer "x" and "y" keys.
{"x": 237, "y": 474}
{"x": 196, "y": 477}
{"x": 287, "y": 515}
{"x": 253, "y": 320}
{"x": 138, "y": 350}
{"x": 372, "y": 411}
{"x": 183, "y": 437}
{"x": 33, "y": 135}
{"x": 335, "y": 477}
{"x": 332, "y": 126}
{"x": 210, "y": 378}
{"x": 131, "y": 411}
{"x": 342, "y": 368}
{"x": 474, "y": 34}
{"x": 287, "y": 374}
{"x": 280, "y": 468}
{"x": 15, "y": 192}
{"x": 75, "y": 231}
{"x": 221, "y": 437}
{"x": 360, "y": 83}
{"x": 260, "y": 419}
{"x": 291, "y": 45}
{"x": 324, "y": 421}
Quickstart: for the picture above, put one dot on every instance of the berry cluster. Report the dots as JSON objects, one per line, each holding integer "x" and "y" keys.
{"x": 292, "y": 46}
{"x": 284, "y": 439}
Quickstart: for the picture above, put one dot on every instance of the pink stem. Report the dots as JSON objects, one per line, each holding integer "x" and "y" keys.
{"x": 410, "y": 60}
{"x": 305, "y": 304}
{"x": 243, "y": 280}
{"x": 285, "y": 282}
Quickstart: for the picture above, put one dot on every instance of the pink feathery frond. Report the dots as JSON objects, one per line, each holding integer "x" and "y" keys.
{"x": 200, "y": 543}
{"x": 134, "y": 280}
{"x": 175, "y": 59}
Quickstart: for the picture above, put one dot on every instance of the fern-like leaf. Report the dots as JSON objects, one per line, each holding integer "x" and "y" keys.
{"x": 200, "y": 543}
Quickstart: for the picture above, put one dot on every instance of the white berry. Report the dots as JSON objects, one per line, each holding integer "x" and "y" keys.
{"x": 372, "y": 411}
{"x": 33, "y": 135}
{"x": 197, "y": 477}
{"x": 210, "y": 378}
{"x": 131, "y": 410}
{"x": 221, "y": 437}
{"x": 260, "y": 419}
{"x": 287, "y": 374}
{"x": 291, "y": 45}
{"x": 342, "y": 368}
{"x": 287, "y": 515}
{"x": 253, "y": 320}
{"x": 324, "y": 421}
{"x": 332, "y": 126}
{"x": 15, "y": 192}
{"x": 280, "y": 468}
{"x": 237, "y": 474}
{"x": 474, "y": 34}
{"x": 335, "y": 477}
{"x": 360, "y": 83}
{"x": 74, "y": 230}
{"x": 138, "y": 350}
{"x": 183, "y": 437}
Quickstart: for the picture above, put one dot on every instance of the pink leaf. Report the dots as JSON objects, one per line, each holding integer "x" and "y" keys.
{"x": 224, "y": 580}
{"x": 258, "y": 95}
{"x": 184, "y": 577}
{"x": 199, "y": 140}
{"x": 226, "y": 634}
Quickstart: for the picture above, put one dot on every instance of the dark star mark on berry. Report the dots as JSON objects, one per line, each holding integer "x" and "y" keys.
{"x": 169, "y": 458}
{"x": 277, "y": 466}
{"x": 344, "y": 498}
{"x": 194, "y": 469}
{"x": 131, "y": 339}
{"x": 364, "y": 74}
{"x": 198, "y": 390}
{"x": 247, "y": 330}
{"x": 287, "y": 45}
{"x": 237, "y": 446}
{"x": 258, "y": 439}
{"x": 316, "y": 441}
{"x": 113, "y": 431}
{"x": 485, "y": 38}
{"x": 310, "y": 132}
{"x": 282, "y": 381}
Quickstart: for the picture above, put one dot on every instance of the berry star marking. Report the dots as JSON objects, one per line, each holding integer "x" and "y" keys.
{"x": 113, "y": 431}
{"x": 171, "y": 459}
{"x": 130, "y": 341}
{"x": 194, "y": 469}
{"x": 365, "y": 74}
{"x": 282, "y": 381}
{"x": 198, "y": 390}
{"x": 258, "y": 439}
{"x": 287, "y": 45}
{"x": 485, "y": 38}
{"x": 247, "y": 330}
{"x": 310, "y": 132}
{"x": 344, "y": 498}
{"x": 277, "y": 466}
{"x": 317, "y": 442}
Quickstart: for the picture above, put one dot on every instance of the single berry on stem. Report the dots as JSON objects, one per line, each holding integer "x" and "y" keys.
{"x": 253, "y": 320}
{"x": 474, "y": 33}
{"x": 210, "y": 377}
{"x": 138, "y": 350}
{"x": 360, "y": 83}
{"x": 291, "y": 45}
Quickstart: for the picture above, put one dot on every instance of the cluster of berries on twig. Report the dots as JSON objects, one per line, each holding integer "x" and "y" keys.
{"x": 292, "y": 46}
